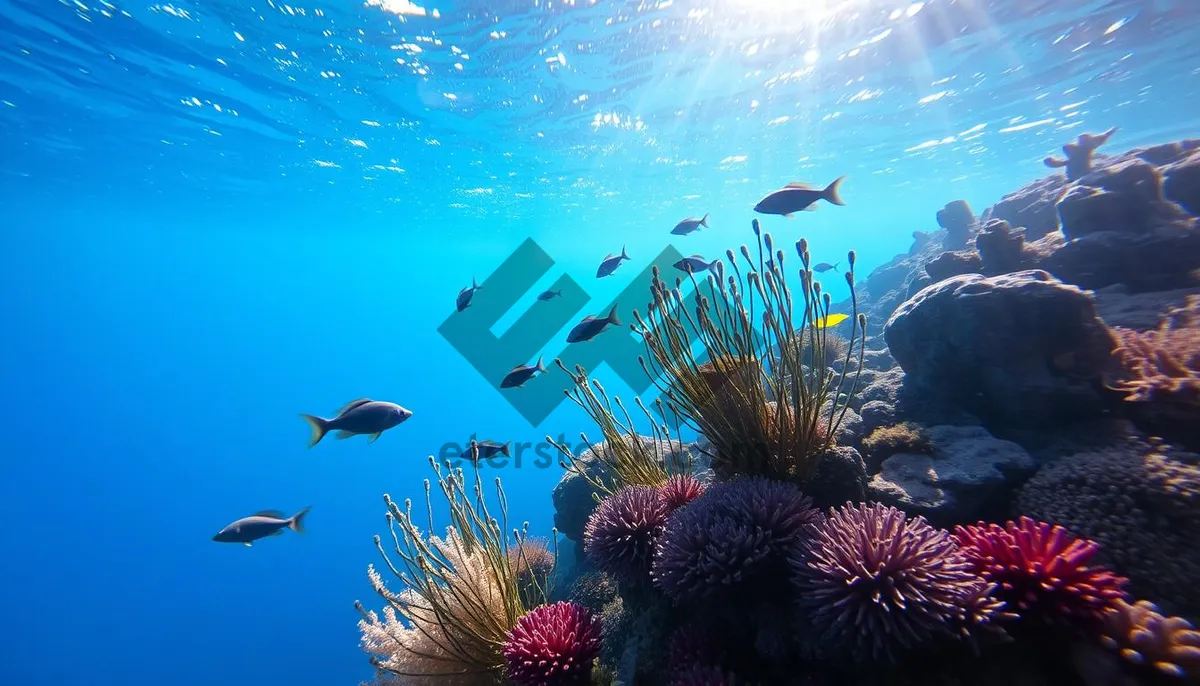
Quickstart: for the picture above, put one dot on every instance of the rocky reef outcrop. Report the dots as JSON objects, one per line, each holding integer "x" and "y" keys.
{"x": 1022, "y": 348}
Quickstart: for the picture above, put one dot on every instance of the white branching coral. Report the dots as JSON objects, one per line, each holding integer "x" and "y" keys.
{"x": 457, "y": 596}
{"x": 432, "y": 644}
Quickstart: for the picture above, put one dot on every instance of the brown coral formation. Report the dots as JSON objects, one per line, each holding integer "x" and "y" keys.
{"x": 1159, "y": 371}
{"x": 905, "y": 437}
{"x": 1141, "y": 502}
{"x": 1147, "y": 640}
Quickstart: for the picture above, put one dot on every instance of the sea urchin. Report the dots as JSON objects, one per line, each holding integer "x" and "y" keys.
{"x": 620, "y": 535}
{"x": 873, "y": 581}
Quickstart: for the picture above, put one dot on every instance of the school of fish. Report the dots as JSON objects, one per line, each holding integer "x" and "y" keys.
{"x": 367, "y": 417}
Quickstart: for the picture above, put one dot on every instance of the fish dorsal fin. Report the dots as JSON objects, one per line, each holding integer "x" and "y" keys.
{"x": 270, "y": 513}
{"x": 798, "y": 184}
{"x": 698, "y": 257}
{"x": 353, "y": 404}
{"x": 590, "y": 317}
{"x": 517, "y": 368}
{"x": 608, "y": 257}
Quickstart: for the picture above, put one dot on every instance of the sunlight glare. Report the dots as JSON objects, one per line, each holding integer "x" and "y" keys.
{"x": 797, "y": 11}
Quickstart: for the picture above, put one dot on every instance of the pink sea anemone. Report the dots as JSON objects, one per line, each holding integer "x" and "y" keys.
{"x": 1041, "y": 572}
{"x": 680, "y": 490}
{"x": 553, "y": 645}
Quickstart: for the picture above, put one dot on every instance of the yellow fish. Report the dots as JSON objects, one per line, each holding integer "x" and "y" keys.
{"x": 830, "y": 320}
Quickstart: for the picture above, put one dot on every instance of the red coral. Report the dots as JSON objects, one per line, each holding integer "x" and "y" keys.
{"x": 553, "y": 645}
{"x": 1041, "y": 572}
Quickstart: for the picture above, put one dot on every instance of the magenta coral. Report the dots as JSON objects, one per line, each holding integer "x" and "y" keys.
{"x": 1041, "y": 571}
{"x": 873, "y": 581}
{"x": 553, "y": 645}
{"x": 620, "y": 535}
{"x": 680, "y": 490}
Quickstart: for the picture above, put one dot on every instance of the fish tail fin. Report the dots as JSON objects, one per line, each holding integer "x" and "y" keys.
{"x": 835, "y": 264}
{"x": 624, "y": 256}
{"x": 831, "y": 191}
{"x": 319, "y": 427}
{"x": 612, "y": 316}
{"x": 558, "y": 292}
{"x": 704, "y": 220}
{"x": 296, "y": 523}
{"x": 504, "y": 449}
{"x": 540, "y": 367}
{"x": 475, "y": 284}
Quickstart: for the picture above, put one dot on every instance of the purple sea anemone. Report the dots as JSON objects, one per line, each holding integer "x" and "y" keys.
{"x": 873, "y": 581}
{"x": 1041, "y": 571}
{"x": 733, "y": 537}
{"x": 620, "y": 535}
{"x": 680, "y": 490}
{"x": 553, "y": 645}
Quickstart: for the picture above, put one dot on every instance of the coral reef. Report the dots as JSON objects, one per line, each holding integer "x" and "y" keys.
{"x": 1159, "y": 373}
{"x": 1078, "y": 160}
{"x": 905, "y": 437}
{"x": 1041, "y": 572}
{"x": 1147, "y": 640}
{"x": 578, "y": 493}
{"x": 875, "y": 582}
{"x": 953, "y": 263}
{"x": 750, "y": 556}
{"x": 957, "y": 219}
{"x": 1141, "y": 503}
{"x": 553, "y": 645}
{"x": 593, "y": 590}
{"x": 967, "y": 474}
{"x": 1022, "y": 348}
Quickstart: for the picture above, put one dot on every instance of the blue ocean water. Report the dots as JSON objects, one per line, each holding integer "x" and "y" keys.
{"x": 217, "y": 215}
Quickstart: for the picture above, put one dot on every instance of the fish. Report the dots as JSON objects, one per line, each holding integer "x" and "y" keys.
{"x": 695, "y": 263}
{"x": 362, "y": 416}
{"x": 488, "y": 449}
{"x": 610, "y": 264}
{"x": 797, "y": 197}
{"x": 689, "y": 225}
{"x": 260, "y": 525}
{"x": 521, "y": 373}
{"x": 549, "y": 295}
{"x": 823, "y": 267}
{"x": 830, "y": 320}
{"x": 463, "y": 301}
{"x": 591, "y": 327}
